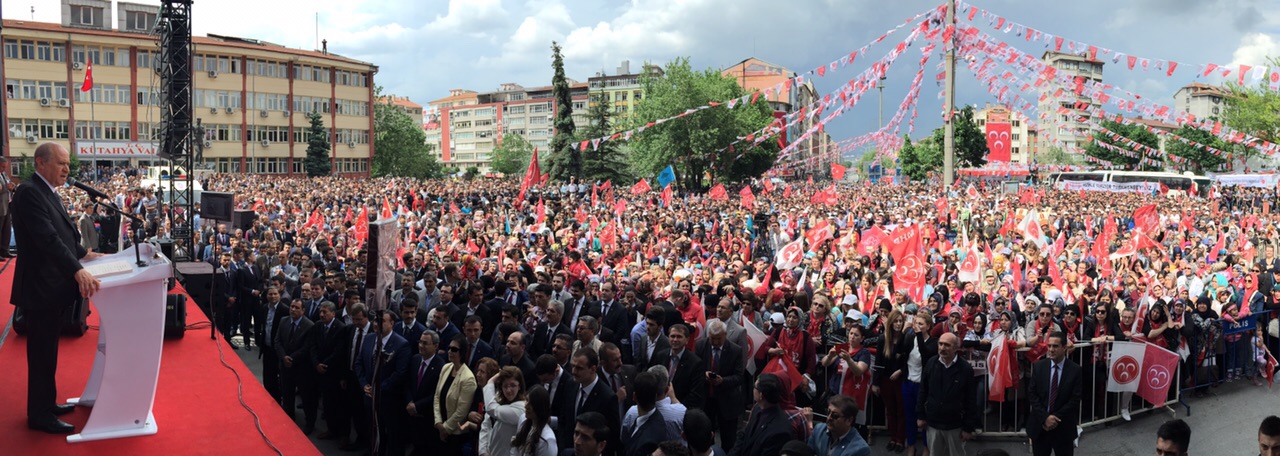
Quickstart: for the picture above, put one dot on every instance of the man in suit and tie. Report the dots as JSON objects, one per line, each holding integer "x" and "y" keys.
{"x": 617, "y": 375}
{"x": 408, "y": 289}
{"x": 768, "y": 428}
{"x": 545, "y": 335}
{"x": 293, "y": 347}
{"x": 516, "y": 354}
{"x": 478, "y": 349}
{"x": 352, "y": 410}
{"x": 226, "y": 293}
{"x": 653, "y": 340}
{"x": 649, "y": 430}
{"x": 88, "y": 233}
{"x": 587, "y": 394}
{"x": 250, "y": 283}
{"x": 735, "y": 332}
{"x": 688, "y": 372}
{"x": 613, "y": 315}
{"x": 558, "y": 383}
{"x": 310, "y": 301}
{"x": 408, "y": 326}
{"x": 48, "y": 281}
{"x": 6, "y": 218}
{"x": 1055, "y": 401}
{"x": 579, "y": 304}
{"x": 441, "y": 324}
{"x": 326, "y": 359}
{"x": 724, "y": 377}
{"x": 424, "y": 375}
{"x": 475, "y": 306}
{"x": 381, "y": 368}
{"x": 271, "y": 315}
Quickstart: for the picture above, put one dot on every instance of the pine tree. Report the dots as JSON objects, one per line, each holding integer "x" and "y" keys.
{"x": 607, "y": 161}
{"x": 317, "y": 162}
{"x": 566, "y": 162}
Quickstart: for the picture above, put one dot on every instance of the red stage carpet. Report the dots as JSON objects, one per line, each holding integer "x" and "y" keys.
{"x": 196, "y": 406}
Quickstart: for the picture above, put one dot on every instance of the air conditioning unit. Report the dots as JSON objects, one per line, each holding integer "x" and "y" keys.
{"x": 286, "y": 113}
{"x": 213, "y": 73}
{"x": 264, "y": 143}
{"x": 351, "y": 144}
{"x": 77, "y": 66}
{"x": 64, "y": 103}
{"x": 231, "y": 110}
{"x": 46, "y": 102}
{"x": 213, "y": 110}
{"x": 263, "y": 114}
{"x": 208, "y": 144}
{"x": 32, "y": 139}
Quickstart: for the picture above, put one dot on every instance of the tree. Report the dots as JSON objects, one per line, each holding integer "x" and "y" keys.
{"x": 1254, "y": 110}
{"x": 1198, "y": 158}
{"x": 970, "y": 141}
{"x": 919, "y": 159}
{"x": 317, "y": 162}
{"x": 566, "y": 161}
{"x": 1056, "y": 156}
{"x": 400, "y": 147}
{"x": 471, "y": 173}
{"x": 1133, "y": 132}
{"x": 700, "y": 141}
{"x": 605, "y": 161}
{"x": 512, "y": 155}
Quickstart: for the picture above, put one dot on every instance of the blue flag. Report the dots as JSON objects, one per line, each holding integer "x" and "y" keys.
{"x": 667, "y": 176}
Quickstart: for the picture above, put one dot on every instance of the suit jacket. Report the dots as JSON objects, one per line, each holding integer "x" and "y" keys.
{"x": 346, "y": 347}
{"x": 574, "y": 309}
{"x": 5, "y": 194}
{"x": 544, "y": 336}
{"x": 457, "y": 401}
{"x": 615, "y": 321}
{"x": 482, "y": 350}
{"x": 459, "y": 317}
{"x": 413, "y": 334}
{"x": 690, "y": 379}
{"x": 765, "y": 433}
{"x": 642, "y": 350}
{"x": 293, "y": 343}
{"x": 88, "y": 234}
{"x": 732, "y": 369}
{"x": 526, "y": 366}
{"x": 1065, "y": 406}
{"x": 600, "y": 399}
{"x": 642, "y": 441}
{"x": 626, "y": 378}
{"x": 395, "y": 360}
{"x": 733, "y": 330}
{"x": 422, "y": 393}
{"x": 260, "y": 335}
{"x": 326, "y": 347}
{"x": 226, "y": 286}
{"x": 45, "y": 278}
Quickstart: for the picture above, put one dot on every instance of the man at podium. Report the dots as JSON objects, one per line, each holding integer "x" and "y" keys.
{"x": 47, "y": 280}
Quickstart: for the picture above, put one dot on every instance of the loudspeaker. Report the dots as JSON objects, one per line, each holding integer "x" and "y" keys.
{"x": 166, "y": 247}
{"x": 197, "y": 278}
{"x": 175, "y": 316}
{"x": 74, "y": 323}
{"x": 243, "y": 219}
{"x": 109, "y": 237}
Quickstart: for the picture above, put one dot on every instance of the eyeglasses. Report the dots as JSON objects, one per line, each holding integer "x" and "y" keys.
{"x": 454, "y": 349}
{"x": 1045, "y": 314}
{"x": 833, "y": 415}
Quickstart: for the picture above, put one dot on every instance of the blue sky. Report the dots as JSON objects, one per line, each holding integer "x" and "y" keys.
{"x": 426, "y": 47}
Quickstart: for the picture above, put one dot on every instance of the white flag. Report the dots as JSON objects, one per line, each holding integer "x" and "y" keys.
{"x": 755, "y": 342}
{"x": 1124, "y": 369}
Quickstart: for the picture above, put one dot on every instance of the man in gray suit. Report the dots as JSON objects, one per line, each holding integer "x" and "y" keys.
{"x": 293, "y": 346}
{"x": 6, "y": 218}
{"x": 735, "y": 332}
{"x": 88, "y": 233}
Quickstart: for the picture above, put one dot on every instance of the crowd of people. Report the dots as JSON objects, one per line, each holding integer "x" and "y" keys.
{"x": 581, "y": 318}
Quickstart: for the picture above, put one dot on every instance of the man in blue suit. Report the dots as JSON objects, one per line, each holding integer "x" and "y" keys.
{"x": 472, "y": 328}
{"x": 408, "y": 327}
{"x": 384, "y": 359}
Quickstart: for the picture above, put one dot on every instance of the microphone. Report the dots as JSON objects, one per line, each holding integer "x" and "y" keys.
{"x": 93, "y": 192}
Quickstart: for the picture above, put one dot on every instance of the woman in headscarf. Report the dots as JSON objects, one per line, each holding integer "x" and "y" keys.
{"x": 794, "y": 342}
{"x": 1208, "y": 336}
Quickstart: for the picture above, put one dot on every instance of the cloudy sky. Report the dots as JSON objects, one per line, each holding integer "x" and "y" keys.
{"x": 426, "y": 47}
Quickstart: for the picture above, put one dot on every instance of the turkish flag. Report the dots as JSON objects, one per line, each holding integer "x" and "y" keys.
{"x": 910, "y": 266}
{"x": 786, "y": 191}
{"x": 785, "y": 369}
{"x": 1030, "y": 229}
{"x": 1124, "y": 368}
{"x": 871, "y": 240}
{"x": 362, "y": 225}
{"x": 541, "y": 210}
{"x": 820, "y": 232}
{"x": 755, "y": 344}
{"x": 1147, "y": 219}
{"x": 847, "y": 241}
{"x": 386, "y": 209}
{"x": 666, "y": 196}
{"x": 837, "y": 171}
{"x": 316, "y": 219}
{"x": 718, "y": 193}
{"x": 1001, "y": 363}
{"x": 1270, "y": 372}
{"x": 581, "y": 215}
{"x": 971, "y": 266}
{"x": 1008, "y": 226}
{"x": 1159, "y": 367}
{"x": 748, "y": 198}
{"x": 532, "y": 175}
{"x": 790, "y": 255}
{"x": 941, "y": 206}
{"x": 999, "y": 141}
{"x": 472, "y": 247}
{"x": 768, "y": 185}
{"x": 640, "y": 188}
{"x": 971, "y": 192}
{"x": 88, "y": 77}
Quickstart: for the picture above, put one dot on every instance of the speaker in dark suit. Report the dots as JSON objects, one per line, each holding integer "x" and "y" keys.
{"x": 293, "y": 349}
{"x": 688, "y": 372}
{"x": 614, "y": 318}
{"x": 726, "y": 370}
{"x": 420, "y": 388}
{"x": 381, "y": 375}
{"x": 1055, "y": 409}
{"x": 545, "y": 336}
{"x": 270, "y": 316}
{"x": 45, "y": 281}
{"x": 587, "y": 394}
{"x": 326, "y": 361}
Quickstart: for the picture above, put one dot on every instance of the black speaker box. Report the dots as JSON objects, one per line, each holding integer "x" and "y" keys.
{"x": 243, "y": 219}
{"x": 166, "y": 247}
{"x": 197, "y": 278}
{"x": 109, "y": 234}
{"x": 74, "y": 323}
{"x": 175, "y": 316}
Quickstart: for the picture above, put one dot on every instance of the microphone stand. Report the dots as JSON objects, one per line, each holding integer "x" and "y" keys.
{"x": 137, "y": 231}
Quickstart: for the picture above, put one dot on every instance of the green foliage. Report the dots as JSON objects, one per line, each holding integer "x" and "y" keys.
{"x": 970, "y": 141}
{"x": 449, "y": 170}
{"x": 1198, "y": 159}
{"x": 565, "y": 161}
{"x": 1133, "y": 132}
{"x": 863, "y": 164}
{"x": 400, "y": 147}
{"x": 472, "y": 173}
{"x": 317, "y": 162}
{"x": 607, "y": 161}
{"x": 919, "y": 159}
{"x": 692, "y": 143}
{"x": 1254, "y": 110}
{"x": 512, "y": 155}
{"x": 1056, "y": 156}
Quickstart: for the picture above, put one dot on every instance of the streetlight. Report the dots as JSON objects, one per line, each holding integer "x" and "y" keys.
{"x": 880, "y": 85}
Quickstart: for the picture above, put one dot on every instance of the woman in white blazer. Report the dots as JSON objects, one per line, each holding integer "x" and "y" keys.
{"x": 504, "y": 401}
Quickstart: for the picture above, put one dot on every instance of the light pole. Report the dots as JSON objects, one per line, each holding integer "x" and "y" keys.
{"x": 880, "y": 85}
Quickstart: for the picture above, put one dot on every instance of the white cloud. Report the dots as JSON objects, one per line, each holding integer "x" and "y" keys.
{"x": 471, "y": 17}
{"x": 1255, "y": 48}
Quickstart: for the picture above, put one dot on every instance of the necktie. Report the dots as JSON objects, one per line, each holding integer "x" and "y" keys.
{"x": 613, "y": 382}
{"x": 604, "y": 311}
{"x": 1053, "y": 388}
{"x": 582, "y": 399}
{"x": 675, "y": 362}
{"x": 359, "y": 343}
{"x": 422, "y": 371}
{"x": 294, "y": 331}
{"x": 715, "y": 363}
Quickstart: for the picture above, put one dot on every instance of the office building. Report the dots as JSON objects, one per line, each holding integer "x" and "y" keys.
{"x": 1067, "y": 131}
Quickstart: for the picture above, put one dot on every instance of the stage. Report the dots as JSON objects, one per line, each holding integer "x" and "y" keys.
{"x": 196, "y": 409}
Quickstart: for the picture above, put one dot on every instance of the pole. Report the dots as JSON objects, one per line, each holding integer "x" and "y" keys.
{"x": 948, "y": 107}
{"x": 881, "y": 87}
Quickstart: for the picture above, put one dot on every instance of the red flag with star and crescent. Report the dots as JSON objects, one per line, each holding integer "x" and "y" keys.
{"x": 910, "y": 265}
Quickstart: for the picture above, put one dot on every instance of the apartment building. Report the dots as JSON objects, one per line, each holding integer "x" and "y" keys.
{"x": 754, "y": 74}
{"x": 621, "y": 91}
{"x": 251, "y": 96}
{"x": 1067, "y": 130}
{"x": 1200, "y": 100}
{"x": 469, "y": 125}
{"x": 1022, "y": 138}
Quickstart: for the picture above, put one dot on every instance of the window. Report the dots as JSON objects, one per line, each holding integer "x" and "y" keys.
{"x": 1015, "y": 136}
{"x": 515, "y": 110}
{"x": 1015, "y": 150}
{"x": 1015, "y": 123}
{"x": 139, "y": 21}
{"x": 86, "y": 15}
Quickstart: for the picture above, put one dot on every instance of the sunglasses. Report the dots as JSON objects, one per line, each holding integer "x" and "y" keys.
{"x": 454, "y": 349}
{"x": 1045, "y": 314}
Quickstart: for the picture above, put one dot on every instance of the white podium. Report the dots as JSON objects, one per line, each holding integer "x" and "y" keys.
{"x": 122, "y": 386}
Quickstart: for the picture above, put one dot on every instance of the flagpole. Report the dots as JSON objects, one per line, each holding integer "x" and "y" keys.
{"x": 94, "y": 141}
